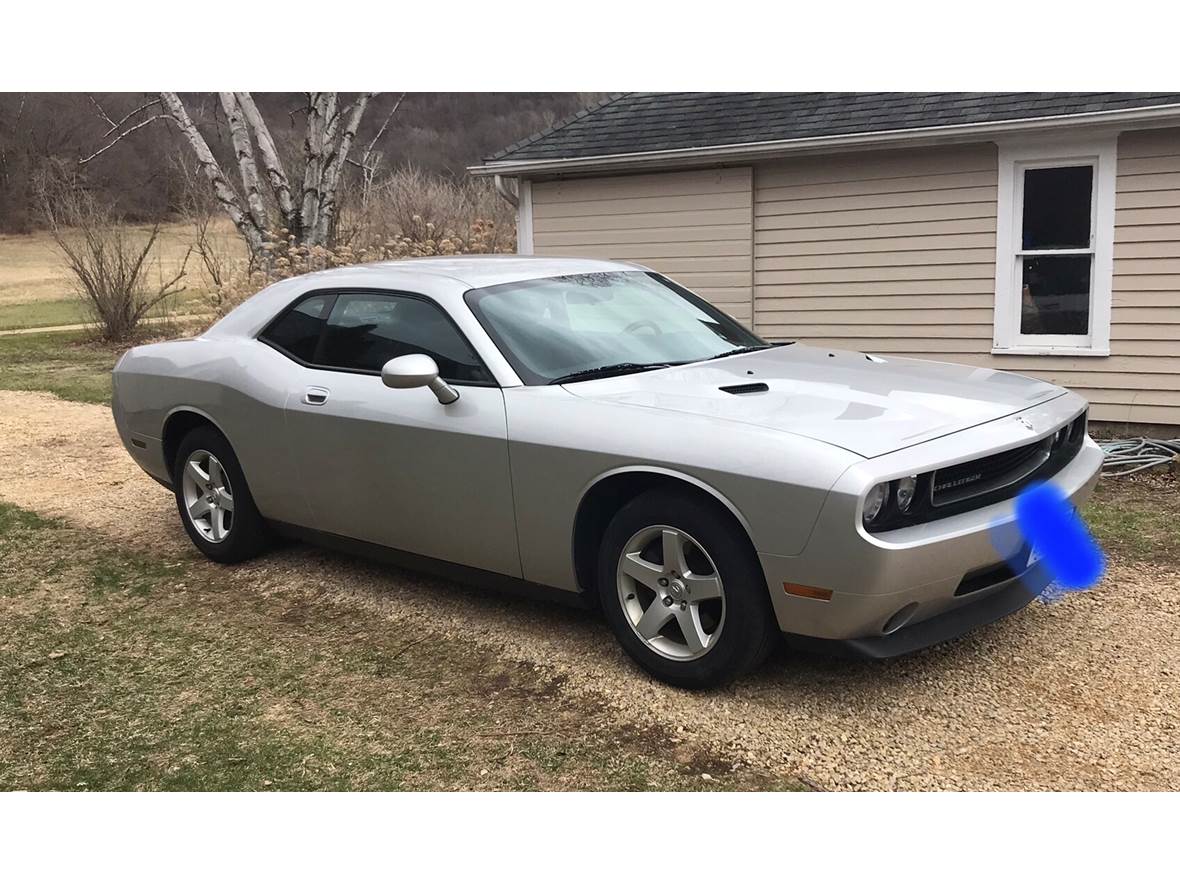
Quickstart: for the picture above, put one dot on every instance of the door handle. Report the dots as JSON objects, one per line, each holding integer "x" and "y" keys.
{"x": 315, "y": 396}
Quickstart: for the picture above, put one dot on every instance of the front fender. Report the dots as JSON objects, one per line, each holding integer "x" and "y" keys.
{"x": 560, "y": 445}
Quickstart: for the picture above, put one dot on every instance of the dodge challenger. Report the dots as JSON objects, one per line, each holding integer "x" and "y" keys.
{"x": 593, "y": 431}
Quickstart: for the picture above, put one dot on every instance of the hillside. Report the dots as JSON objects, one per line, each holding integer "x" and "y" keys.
{"x": 439, "y": 132}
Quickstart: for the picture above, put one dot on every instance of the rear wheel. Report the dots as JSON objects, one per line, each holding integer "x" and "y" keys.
{"x": 683, "y": 591}
{"x": 213, "y": 499}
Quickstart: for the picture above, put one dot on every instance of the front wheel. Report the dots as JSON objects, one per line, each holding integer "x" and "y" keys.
{"x": 683, "y": 591}
{"x": 214, "y": 501}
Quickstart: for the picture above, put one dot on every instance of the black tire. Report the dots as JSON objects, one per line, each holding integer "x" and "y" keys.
{"x": 246, "y": 536}
{"x": 748, "y": 632}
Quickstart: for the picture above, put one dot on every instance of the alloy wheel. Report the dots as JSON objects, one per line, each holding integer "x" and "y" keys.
{"x": 671, "y": 592}
{"x": 208, "y": 497}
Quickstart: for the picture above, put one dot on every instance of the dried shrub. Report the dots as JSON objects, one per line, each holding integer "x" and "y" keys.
{"x": 116, "y": 272}
{"x": 409, "y": 215}
{"x": 413, "y": 204}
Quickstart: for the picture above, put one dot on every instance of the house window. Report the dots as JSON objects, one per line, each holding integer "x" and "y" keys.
{"x": 1054, "y": 249}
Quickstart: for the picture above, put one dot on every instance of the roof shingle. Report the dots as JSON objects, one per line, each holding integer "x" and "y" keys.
{"x": 641, "y": 122}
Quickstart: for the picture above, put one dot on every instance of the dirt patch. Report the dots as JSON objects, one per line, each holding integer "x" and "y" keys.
{"x": 1076, "y": 695}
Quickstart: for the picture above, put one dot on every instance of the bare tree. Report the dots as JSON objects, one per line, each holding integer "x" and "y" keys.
{"x": 370, "y": 160}
{"x": 261, "y": 199}
{"x": 200, "y": 207}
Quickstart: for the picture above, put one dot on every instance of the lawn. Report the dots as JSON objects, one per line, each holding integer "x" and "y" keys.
{"x": 62, "y": 363}
{"x": 123, "y": 671}
{"x": 73, "y": 364}
{"x": 1137, "y": 518}
{"x": 36, "y": 289}
{"x": 71, "y": 311}
{"x": 30, "y": 315}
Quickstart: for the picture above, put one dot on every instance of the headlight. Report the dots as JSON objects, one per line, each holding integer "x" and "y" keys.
{"x": 906, "y": 486}
{"x": 875, "y": 501}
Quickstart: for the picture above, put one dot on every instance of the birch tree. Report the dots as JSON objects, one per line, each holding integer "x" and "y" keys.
{"x": 260, "y": 196}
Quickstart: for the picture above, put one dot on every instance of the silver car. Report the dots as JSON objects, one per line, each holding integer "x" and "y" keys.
{"x": 592, "y": 431}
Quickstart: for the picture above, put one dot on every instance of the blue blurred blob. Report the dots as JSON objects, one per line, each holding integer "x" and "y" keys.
{"x": 1010, "y": 543}
{"x": 1059, "y": 536}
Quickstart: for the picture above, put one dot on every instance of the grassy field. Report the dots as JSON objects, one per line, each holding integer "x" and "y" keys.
{"x": 1137, "y": 518}
{"x": 36, "y": 290}
{"x": 125, "y": 672}
{"x": 72, "y": 364}
{"x": 32, "y": 314}
{"x": 63, "y": 363}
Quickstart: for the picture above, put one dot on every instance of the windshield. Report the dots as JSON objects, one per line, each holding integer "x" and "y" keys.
{"x": 557, "y": 327}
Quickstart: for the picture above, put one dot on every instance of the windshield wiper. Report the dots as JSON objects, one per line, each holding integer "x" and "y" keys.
{"x": 608, "y": 371}
{"x": 750, "y": 349}
{"x": 628, "y": 368}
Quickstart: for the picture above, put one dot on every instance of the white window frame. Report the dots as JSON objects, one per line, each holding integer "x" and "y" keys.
{"x": 1014, "y": 159}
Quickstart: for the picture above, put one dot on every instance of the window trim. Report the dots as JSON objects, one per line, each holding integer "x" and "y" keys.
{"x": 1014, "y": 158}
{"x": 333, "y": 294}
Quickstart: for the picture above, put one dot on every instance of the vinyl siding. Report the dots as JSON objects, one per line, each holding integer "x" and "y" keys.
{"x": 1145, "y": 317}
{"x": 894, "y": 253}
{"x": 696, "y": 227}
{"x": 887, "y": 251}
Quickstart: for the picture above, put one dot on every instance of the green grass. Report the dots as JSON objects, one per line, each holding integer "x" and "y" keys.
{"x": 63, "y": 363}
{"x": 15, "y": 521}
{"x": 123, "y": 671}
{"x": 71, "y": 311}
{"x": 41, "y": 313}
{"x": 1138, "y": 518}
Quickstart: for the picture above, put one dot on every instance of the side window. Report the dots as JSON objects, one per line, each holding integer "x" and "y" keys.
{"x": 365, "y": 331}
{"x": 298, "y": 330}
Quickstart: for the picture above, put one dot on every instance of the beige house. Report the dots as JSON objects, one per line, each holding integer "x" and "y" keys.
{"x": 1034, "y": 232}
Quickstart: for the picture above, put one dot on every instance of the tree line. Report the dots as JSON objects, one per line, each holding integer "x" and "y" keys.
{"x": 140, "y": 171}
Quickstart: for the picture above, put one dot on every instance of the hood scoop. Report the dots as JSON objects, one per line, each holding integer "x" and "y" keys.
{"x": 742, "y": 389}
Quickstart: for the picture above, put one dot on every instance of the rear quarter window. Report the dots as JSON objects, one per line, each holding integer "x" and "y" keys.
{"x": 297, "y": 332}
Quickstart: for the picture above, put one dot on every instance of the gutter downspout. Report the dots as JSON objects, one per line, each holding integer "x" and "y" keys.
{"x": 506, "y": 192}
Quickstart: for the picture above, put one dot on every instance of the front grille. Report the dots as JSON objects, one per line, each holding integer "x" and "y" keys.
{"x": 961, "y": 487}
{"x": 962, "y": 481}
{"x": 990, "y": 575}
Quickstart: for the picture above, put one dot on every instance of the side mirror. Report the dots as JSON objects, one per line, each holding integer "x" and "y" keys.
{"x": 417, "y": 370}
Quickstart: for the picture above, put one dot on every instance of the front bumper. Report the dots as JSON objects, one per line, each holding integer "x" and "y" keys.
{"x": 1000, "y": 601}
{"x": 898, "y": 591}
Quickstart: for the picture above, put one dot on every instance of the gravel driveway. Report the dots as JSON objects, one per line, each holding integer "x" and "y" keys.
{"x": 1081, "y": 694}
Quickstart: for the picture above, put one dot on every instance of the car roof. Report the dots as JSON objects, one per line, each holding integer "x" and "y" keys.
{"x": 489, "y": 270}
{"x": 443, "y": 278}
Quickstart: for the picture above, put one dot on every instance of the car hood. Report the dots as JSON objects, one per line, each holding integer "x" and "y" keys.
{"x": 869, "y": 405}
